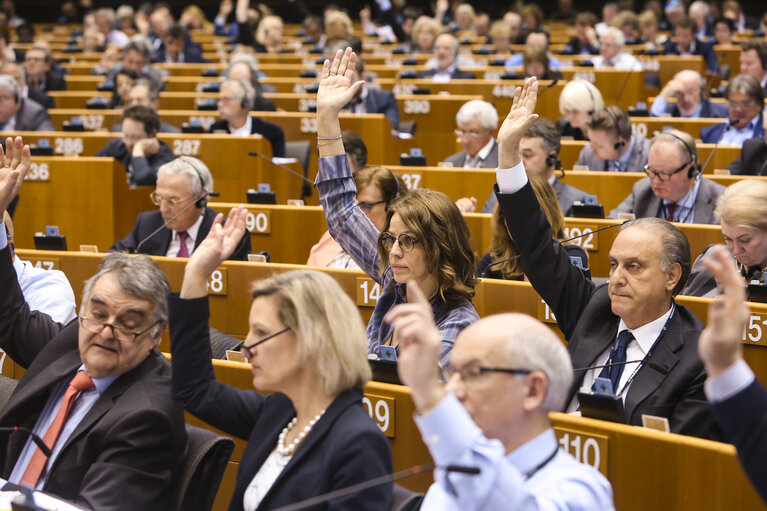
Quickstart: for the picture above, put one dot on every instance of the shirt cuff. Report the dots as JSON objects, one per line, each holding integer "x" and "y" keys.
{"x": 733, "y": 380}
{"x": 3, "y": 236}
{"x": 333, "y": 167}
{"x": 511, "y": 180}
{"x": 658, "y": 107}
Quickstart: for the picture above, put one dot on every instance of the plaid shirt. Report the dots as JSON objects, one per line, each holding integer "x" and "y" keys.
{"x": 359, "y": 238}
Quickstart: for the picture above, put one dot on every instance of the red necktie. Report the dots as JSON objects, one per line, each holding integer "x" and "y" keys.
{"x": 671, "y": 208}
{"x": 183, "y": 251}
{"x": 79, "y": 383}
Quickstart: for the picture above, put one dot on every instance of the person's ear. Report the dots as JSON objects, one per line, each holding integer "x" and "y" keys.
{"x": 536, "y": 387}
{"x": 673, "y": 274}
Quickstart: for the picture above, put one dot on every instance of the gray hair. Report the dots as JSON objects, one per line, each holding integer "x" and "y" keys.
{"x": 140, "y": 44}
{"x": 248, "y": 60}
{"x": 748, "y": 85}
{"x": 138, "y": 276}
{"x": 616, "y": 34}
{"x": 699, "y": 6}
{"x": 676, "y": 246}
{"x": 106, "y": 12}
{"x": 580, "y": 96}
{"x": 478, "y": 109}
{"x": 154, "y": 90}
{"x": 330, "y": 333}
{"x": 10, "y": 84}
{"x": 686, "y": 145}
{"x": 193, "y": 168}
{"x": 244, "y": 91}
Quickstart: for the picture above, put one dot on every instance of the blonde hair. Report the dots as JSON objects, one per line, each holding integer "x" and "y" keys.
{"x": 580, "y": 96}
{"x": 329, "y": 329}
{"x": 744, "y": 203}
{"x": 263, "y": 27}
{"x": 338, "y": 26}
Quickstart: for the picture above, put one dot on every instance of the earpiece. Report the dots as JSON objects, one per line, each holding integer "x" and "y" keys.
{"x": 621, "y": 143}
{"x": 553, "y": 161}
{"x": 695, "y": 167}
{"x": 202, "y": 201}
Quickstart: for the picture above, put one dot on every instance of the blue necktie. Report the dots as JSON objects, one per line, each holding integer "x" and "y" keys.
{"x": 617, "y": 356}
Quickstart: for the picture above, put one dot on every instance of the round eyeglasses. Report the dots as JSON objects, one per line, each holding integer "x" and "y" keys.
{"x": 405, "y": 240}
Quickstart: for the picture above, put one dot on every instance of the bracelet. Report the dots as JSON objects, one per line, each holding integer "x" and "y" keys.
{"x": 327, "y": 143}
{"x": 330, "y": 138}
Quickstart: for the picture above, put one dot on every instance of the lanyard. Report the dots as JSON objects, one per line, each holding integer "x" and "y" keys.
{"x": 530, "y": 473}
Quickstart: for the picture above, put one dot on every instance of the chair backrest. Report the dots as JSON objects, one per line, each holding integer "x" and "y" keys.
{"x": 203, "y": 468}
{"x": 301, "y": 151}
{"x": 221, "y": 342}
{"x": 7, "y": 386}
{"x": 405, "y": 500}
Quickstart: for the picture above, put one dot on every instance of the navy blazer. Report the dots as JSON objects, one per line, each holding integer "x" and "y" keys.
{"x": 192, "y": 53}
{"x": 743, "y": 418}
{"x": 343, "y": 448}
{"x": 149, "y": 221}
{"x": 383, "y": 102}
{"x": 707, "y": 109}
{"x": 270, "y": 131}
{"x": 671, "y": 387}
{"x": 712, "y": 134}
{"x": 705, "y": 50}
{"x": 753, "y": 159}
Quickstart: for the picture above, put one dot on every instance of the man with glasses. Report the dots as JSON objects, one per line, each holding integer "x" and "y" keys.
{"x": 745, "y": 100}
{"x": 182, "y": 220}
{"x": 673, "y": 189}
{"x": 139, "y": 150}
{"x": 490, "y": 410}
{"x": 96, "y": 390}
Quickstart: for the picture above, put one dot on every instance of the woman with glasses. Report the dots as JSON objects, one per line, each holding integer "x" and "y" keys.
{"x": 745, "y": 102}
{"x": 376, "y": 187}
{"x": 306, "y": 346}
{"x": 502, "y": 260}
{"x": 742, "y": 212}
{"x": 424, "y": 236}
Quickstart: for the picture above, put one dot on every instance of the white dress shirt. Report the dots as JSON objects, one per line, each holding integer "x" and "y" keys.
{"x": 175, "y": 242}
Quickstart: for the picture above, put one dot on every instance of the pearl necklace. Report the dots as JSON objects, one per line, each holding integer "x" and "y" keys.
{"x": 288, "y": 450}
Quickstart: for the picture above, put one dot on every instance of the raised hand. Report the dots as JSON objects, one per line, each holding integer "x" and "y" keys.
{"x": 217, "y": 246}
{"x": 719, "y": 344}
{"x": 336, "y": 87}
{"x": 418, "y": 343}
{"x": 521, "y": 117}
{"x": 14, "y": 164}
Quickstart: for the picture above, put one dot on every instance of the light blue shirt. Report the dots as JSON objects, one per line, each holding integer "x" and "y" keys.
{"x": 505, "y": 481}
{"x": 660, "y": 108}
{"x": 517, "y": 60}
{"x": 685, "y": 207}
{"x": 737, "y": 137}
{"x": 83, "y": 404}
{"x": 622, "y": 163}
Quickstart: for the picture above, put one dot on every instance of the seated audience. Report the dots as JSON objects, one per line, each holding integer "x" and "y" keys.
{"x": 514, "y": 21}
{"x": 535, "y": 39}
{"x": 193, "y": 18}
{"x": 40, "y": 76}
{"x": 235, "y": 100}
{"x": 687, "y": 44}
{"x": 648, "y": 29}
{"x": 612, "y": 146}
{"x": 122, "y": 444}
{"x": 745, "y": 101}
{"x": 585, "y": 41}
{"x": 136, "y": 57}
{"x": 500, "y": 38}
{"x": 425, "y": 237}
{"x": 425, "y": 32}
{"x": 105, "y": 22}
{"x": 733, "y": 10}
{"x": 178, "y": 48}
{"x": 446, "y": 54}
{"x": 376, "y": 188}
{"x": 139, "y": 150}
{"x": 143, "y": 92}
{"x": 540, "y": 148}
{"x": 700, "y": 12}
{"x": 688, "y": 88}
{"x": 723, "y": 31}
{"x": 577, "y": 101}
{"x": 738, "y": 401}
{"x": 753, "y": 61}
{"x": 19, "y": 74}
{"x": 47, "y": 291}
{"x": 268, "y": 34}
{"x": 18, "y": 113}
{"x": 506, "y": 373}
{"x": 752, "y": 160}
{"x": 535, "y": 62}
{"x": 628, "y": 23}
{"x": 742, "y": 212}
{"x": 181, "y": 195}
{"x": 243, "y": 66}
{"x": 650, "y": 261}
{"x": 311, "y": 434}
{"x": 496, "y": 263}
{"x": 371, "y": 100}
{"x": 611, "y": 54}
{"x": 674, "y": 188}
{"x": 124, "y": 79}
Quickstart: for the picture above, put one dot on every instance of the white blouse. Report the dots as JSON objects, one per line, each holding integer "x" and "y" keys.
{"x": 264, "y": 479}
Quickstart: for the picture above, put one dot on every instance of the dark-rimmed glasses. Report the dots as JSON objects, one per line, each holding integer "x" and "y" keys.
{"x": 247, "y": 350}
{"x": 664, "y": 176}
{"x": 471, "y": 374}
{"x": 405, "y": 240}
{"x": 121, "y": 334}
{"x": 367, "y": 207}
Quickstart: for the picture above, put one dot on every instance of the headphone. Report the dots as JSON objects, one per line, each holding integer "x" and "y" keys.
{"x": 695, "y": 167}
{"x": 203, "y": 199}
{"x": 552, "y": 160}
{"x": 591, "y": 94}
{"x": 621, "y": 143}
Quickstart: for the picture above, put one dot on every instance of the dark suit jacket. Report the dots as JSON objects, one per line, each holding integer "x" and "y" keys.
{"x": 644, "y": 203}
{"x": 705, "y": 50}
{"x": 141, "y": 170}
{"x": 54, "y": 81}
{"x": 149, "y": 221}
{"x": 344, "y": 447}
{"x": 753, "y": 159}
{"x": 456, "y": 75}
{"x": 707, "y": 109}
{"x": 712, "y": 134}
{"x": 383, "y": 102}
{"x": 672, "y": 387}
{"x": 32, "y": 116}
{"x": 743, "y": 418}
{"x": 125, "y": 452}
{"x": 270, "y": 131}
{"x": 42, "y": 98}
{"x": 192, "y": 53}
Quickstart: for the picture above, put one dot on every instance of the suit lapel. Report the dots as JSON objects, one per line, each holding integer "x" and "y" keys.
{"x": 597, "y": 338}
{"x": 207, "y": 221}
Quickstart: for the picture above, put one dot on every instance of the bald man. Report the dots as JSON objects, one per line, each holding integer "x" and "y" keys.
{"x": 685, "y": 96}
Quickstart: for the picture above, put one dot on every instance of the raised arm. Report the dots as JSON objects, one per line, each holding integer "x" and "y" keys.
{"x": 336, "y": 90}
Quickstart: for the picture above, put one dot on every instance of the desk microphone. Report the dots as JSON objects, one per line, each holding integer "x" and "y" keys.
{"x": 487, "y": 270}
{"x": 198, "y": 202}
{"x": 35, "y": 438}
{"x": 364, "y": 485}
{"x": 549, "y": 86}
{"x": 623, "y": 87}
{"x": 283, "y": 167}
{"x": 730, "y": 124}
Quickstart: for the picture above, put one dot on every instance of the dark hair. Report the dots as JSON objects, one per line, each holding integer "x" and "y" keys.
{"x": 146, "y": 116}
{"x": 551, "y": 139}
{"x": 727, "y": 21}
{"x": 602, "y": 120}
{"x": 176, "y": 31}
{"x": 585, "y": 18}
{"x": 355, "y": 149}
{"x": 385, "y": 180}
{"x": 536, "y": 54}
{"x": 687, "y": 22}
{"x": 760, "y": 47}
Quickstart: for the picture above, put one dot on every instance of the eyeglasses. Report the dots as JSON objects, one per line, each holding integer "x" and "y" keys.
{"x": 172, "y": 202}
{"x": 472, "y": 374}
{"x": 470, "y": 134}
{"x": 741, "y": 104}
{"x": 367, "y": 207}
{"x": 664, "y": 176}
{"x": 247, "y": 351}
{"x": 121, "y": 334}
{"x": 405, "y": 240}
